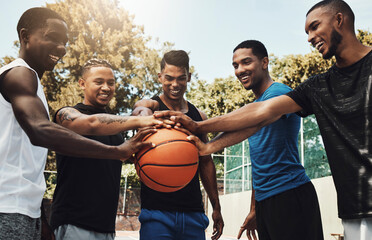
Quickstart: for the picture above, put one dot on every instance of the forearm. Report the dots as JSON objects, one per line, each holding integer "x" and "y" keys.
{"x": 227, "y": 139}
{"x": 209, "y": 180}
{"x": 105, "y": 124}
{"x": 254, "y": 115}
{"x": 62, "y": 140}
{"x": 253, "y": 201}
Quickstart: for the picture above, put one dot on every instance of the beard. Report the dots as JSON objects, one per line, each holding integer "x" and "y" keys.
{"x": 336, "y": 39}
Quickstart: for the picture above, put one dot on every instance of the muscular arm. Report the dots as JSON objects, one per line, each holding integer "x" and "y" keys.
{"x": 101, "y": 124}
{"x": 256, "y": 115}
{"x": 145, "y": 107}
{"x": 253, "y": 115}
{"x": 208, "y": 178}
{"x": 19, "y": 87}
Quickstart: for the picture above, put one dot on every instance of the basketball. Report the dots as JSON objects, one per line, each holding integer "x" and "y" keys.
{"x": 171, "y": 164}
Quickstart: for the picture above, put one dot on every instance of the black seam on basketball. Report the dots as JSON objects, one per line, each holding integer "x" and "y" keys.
{"x": 158, "y": 182}
{"x": 162, "y": 143}
{"x": 169, "y": 165}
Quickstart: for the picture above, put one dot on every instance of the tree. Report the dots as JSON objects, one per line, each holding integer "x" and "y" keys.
{"x": 103, "y": 29}
{"x": 219, "y": 97}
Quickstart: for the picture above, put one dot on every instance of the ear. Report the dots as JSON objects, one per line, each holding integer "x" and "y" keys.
{"x": 159, "y": 77}
{"x": 265, "y": 63}
{"x": 24, "y": 35}
{"x": 82, "y": 83}
{"x": 340, "y": 19}
{"x": 189, "y": 77}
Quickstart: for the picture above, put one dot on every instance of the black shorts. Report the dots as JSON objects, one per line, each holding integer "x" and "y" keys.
{"x": 290, "y": 215}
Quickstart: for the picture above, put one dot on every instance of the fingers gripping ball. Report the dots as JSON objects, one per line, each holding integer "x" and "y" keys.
{"x": 171, "y": 164}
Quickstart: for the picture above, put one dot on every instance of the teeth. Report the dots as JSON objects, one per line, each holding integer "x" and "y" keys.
{"x": 54, "y": 58}
{"x": 175, "y": 91}
{"x": 319, "y": 45}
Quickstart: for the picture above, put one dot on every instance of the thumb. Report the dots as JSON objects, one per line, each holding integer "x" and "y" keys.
{"x": 193, "y": 138}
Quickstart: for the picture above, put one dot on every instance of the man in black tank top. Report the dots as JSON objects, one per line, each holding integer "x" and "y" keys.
{"x": 178, "y": 215}
{"x": 86, "y": 197}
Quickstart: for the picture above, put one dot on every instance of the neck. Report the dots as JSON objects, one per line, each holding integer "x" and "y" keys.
{"x": 175, "y": 104}
{"x": 85, "y": 102}
{"x": 266, "y": 83}
{"x": 31, "y": 64}
{"x": 351, "y": 52}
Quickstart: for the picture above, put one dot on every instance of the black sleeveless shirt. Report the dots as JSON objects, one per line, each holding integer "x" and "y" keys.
{"x": 87, "y": 189}
{"x": 187, "y": 199}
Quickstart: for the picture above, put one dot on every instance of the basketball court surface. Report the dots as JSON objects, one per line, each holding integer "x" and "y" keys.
{"x": 134, "y": 235}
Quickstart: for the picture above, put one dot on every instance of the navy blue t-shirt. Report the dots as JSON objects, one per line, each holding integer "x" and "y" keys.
{"x": 274, "y": 153}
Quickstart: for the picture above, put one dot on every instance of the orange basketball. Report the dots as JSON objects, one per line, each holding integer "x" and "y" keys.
{"x": 171, "y": 164}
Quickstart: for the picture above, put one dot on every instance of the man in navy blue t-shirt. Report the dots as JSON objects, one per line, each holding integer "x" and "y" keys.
{"x": 281, "y": 187}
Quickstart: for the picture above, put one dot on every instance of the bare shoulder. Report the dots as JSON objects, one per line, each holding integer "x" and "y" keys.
{"x": 202, "y": 114}
{"x": 148, "y": 103}
{"x": 18, "y": 81}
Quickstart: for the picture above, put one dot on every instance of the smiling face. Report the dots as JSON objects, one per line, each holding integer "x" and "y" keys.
{"x": 98, "y": 84}
{"x": 321, "y": 27}
{"x": 249, "y": 69}
{"x": 174, "y": 81}
{"x": 44, "y": 47}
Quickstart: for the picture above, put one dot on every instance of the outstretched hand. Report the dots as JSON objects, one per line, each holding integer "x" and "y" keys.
{"x": 218, "y": 224}
{"x": 202, "y": 147}
{"x": 133, "y": 145}
{"x": 178, "y": 119}
{"x": 250, "y": 226}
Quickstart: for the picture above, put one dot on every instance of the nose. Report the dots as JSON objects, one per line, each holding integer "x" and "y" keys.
{"x": 174, "y": 83}
{"x": 239, "y": 70}
{"x": 61, "y": 49}
{"x": 105, "y": 87}
{"x": 310, "y": 37}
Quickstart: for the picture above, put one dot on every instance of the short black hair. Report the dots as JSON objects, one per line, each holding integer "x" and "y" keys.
{"x": 336, "y": 6}
{"x": 178, "y": 58}
{"x": 94, "y": 62}
{"x": 36, "y": 18}
{"x": 258, "y": 48}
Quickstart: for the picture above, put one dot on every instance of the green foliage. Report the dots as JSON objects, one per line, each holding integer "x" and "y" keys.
{"x": 219, "y": 97}
{"x": 294, "y": 69}
{"x": 103, "y": 29}
{"x": 365, "y": 37}
{"x": 128, "y": 170}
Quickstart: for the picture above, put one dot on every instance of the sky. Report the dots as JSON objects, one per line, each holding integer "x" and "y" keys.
{"x": 208, "y": 29}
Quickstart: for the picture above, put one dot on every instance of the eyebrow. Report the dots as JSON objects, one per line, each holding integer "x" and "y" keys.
{"x": 247, "y": 58}
{"x": 311, "y": 25}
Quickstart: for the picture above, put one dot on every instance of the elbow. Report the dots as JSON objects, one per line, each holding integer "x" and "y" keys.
{"x": 38, "y": 134}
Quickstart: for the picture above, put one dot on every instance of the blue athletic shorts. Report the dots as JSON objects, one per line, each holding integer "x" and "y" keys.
{"x": 165, "y": 225}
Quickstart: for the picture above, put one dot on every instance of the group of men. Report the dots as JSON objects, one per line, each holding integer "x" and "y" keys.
{"x": 90, "y": 148}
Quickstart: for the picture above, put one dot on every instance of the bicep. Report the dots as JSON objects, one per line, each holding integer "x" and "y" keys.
{"x": 145, "y": 107}
{"x": 20, "y": 87}
{"x": 70, "y": 118}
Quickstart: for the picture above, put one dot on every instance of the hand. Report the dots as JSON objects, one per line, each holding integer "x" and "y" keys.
{"x": 149, "y": 121}
{"x": 218, "y": 224}
{"x": 249, "y": 225}
{"x": 133, "y": 145}
{"x": 178, "y": 117}
{"x": 202, "y": 147}
{"x": 46, "y": 231}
